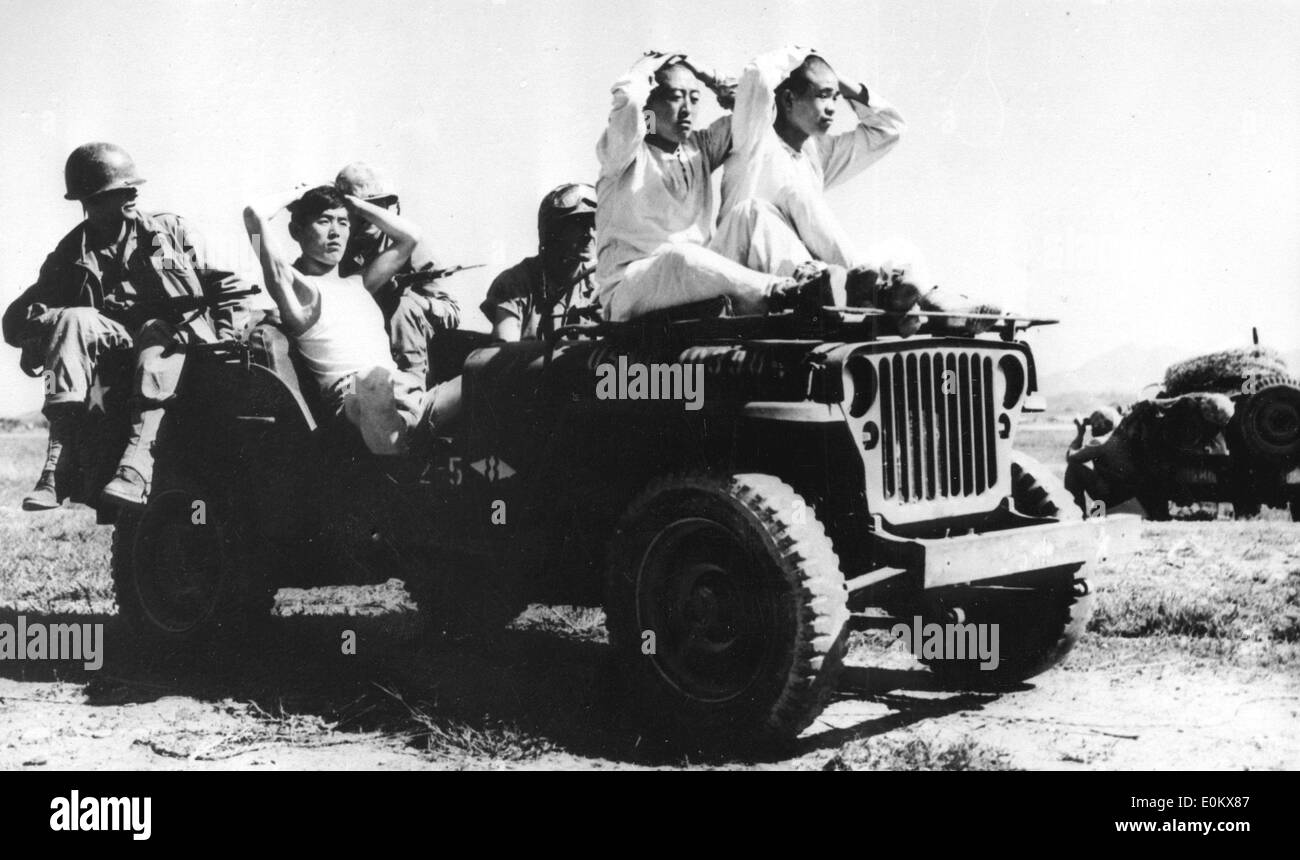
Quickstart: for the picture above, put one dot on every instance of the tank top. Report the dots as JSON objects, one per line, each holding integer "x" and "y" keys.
{"x": 349, "y": 335}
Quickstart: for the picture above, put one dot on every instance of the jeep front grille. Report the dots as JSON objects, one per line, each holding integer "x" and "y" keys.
{"x": 938, "y": 430}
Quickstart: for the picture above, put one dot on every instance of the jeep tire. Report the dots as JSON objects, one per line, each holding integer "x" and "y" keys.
{"x": 726, "y": 610}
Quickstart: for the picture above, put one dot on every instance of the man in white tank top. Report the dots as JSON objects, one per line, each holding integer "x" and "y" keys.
{"x": 334, "y": 320}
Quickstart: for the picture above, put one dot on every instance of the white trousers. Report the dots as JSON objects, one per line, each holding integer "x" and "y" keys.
{"x": 777, "y": 236}
{"x": 388, "y": 406}
{"x": 681, "y": 274}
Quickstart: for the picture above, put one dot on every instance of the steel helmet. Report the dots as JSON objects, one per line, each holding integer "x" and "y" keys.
{"x": 362, "y": 180}
{"x": 565, "y": 201}
{"x": 96, "y": 167}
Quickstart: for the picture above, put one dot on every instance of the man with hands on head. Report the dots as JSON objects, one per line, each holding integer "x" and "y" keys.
{"x": 655, "y": 220}
{"x": 334, "y": 320}
{"x": 414, "y": 315}
{"x": 784, "y": 157}
{"x": 774, "y": 216}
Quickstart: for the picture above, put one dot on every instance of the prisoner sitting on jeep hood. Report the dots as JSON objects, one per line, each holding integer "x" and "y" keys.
{"x": 540, "y": 293}
{"x": 784, "y": 156}
{"x": 656, "y": 217}
{"x": 334, "y": 320}
{"x": 775, "y": 216}
{"x": 121, "y": 280}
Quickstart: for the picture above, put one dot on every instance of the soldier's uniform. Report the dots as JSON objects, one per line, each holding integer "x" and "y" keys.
{"x": 521, "y": 292}
{"x": 524, "y": 291}
{"x": 90, "y": 301}
{"x": 1146, "y": 445}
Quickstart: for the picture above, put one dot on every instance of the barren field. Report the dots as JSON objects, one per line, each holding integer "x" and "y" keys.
{"x": 1192, "y": 661}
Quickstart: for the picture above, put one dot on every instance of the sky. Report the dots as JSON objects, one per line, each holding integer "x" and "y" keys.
{"x": 1128, "y": 167}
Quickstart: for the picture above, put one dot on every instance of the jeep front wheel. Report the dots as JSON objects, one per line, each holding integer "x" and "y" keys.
{"x": 726, "y": 610}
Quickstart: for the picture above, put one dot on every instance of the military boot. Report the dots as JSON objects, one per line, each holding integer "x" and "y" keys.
{"x": 45, "y": 496}
{"x": 134, "y": 477}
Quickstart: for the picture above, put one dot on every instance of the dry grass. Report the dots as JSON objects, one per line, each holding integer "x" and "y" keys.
{"x": 240, "y": 728}
{"x": 54, "y": 561}
{"x": 887, "y": 752}
{"x": 1227, "y": 588}
{"x": 479, "y": 745}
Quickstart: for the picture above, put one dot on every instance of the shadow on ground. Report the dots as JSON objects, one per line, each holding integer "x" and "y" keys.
{"x": 543, "y": 683}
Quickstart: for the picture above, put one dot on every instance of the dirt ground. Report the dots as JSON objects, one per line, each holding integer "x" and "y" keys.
{"x": 1190, "y": 662}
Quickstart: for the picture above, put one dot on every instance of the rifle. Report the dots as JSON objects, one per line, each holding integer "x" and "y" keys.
{"x": 428, "y": 276}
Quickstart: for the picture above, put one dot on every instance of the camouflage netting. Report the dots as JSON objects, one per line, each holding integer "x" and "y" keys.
{"x": 1222, "y": 371}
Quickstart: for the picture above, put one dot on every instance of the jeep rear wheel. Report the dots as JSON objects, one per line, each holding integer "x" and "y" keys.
{"x": 726, "y": 610}
{"x": 1040, "y": 616}
{"x": 177, "y": 574}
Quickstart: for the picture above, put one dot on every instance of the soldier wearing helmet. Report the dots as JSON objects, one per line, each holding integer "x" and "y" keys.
{"x": 414, "y": 315}
{"x": 541, "y": 292}
{"x": 113, "y": 284}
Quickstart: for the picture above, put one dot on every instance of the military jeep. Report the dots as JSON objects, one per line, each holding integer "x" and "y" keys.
{"x": 827, "y": 478}
{"x": 1250, "y": 460}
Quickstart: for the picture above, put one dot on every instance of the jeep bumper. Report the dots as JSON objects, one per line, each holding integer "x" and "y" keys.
{"x": 971, "y": 558}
